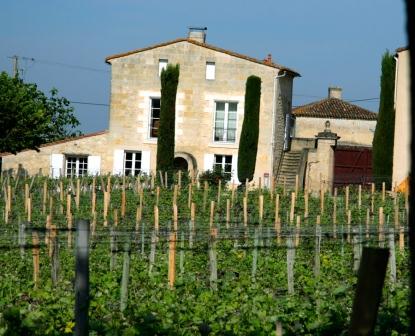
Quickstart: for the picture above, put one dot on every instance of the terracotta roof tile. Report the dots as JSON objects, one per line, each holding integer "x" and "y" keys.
{"x": 334, "y": 108}
{"x": 208, "y": 46}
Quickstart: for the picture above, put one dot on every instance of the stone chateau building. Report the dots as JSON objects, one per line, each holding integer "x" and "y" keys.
{"x": 209, "y": 114}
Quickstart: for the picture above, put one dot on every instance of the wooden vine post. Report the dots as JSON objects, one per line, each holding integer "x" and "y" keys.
{"x": 175, "y": 217}
{"x": 381, "y": 227}
{"x": 212, "y": 213}
{"x": 156, "y": 218}
{"x": 292, "y": 207}
{"x": 367, "y": 223}
{"x": 45, "y": 196}
{"x": 245, "y": 211}
{"x": 205, "y": 194}
{"x": 297, "y": 231}
{"x": 347, "y": 199}
{"x": 35, "y": 254}
{"x": 123, "y": 201}
{"x": 189, "y": 199}
{"x": 228, "y": 212}
{"x": 172, "y": 260}
{"x": 219, "y": 192}
{"x": 290, "y": 265}
{"x": 277, "y": 220}
{"x": 125, "y": 277}
{"x": 349, "y": 225}
{"x": 192, "y": 215}
{"x": 335, "y": 215}
{"x": 261, "y": 208}
{"x": 212, "y": 258}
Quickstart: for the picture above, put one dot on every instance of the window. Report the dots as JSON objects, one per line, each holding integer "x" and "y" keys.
{"x": 155, "y": 117}
{"x": 225, "y": 121}
{"x": 210, "y": 70}
{"x": 162, "y": 65}
{"x": 76, "y": 166}
{"x": 224, "y": 162}
{"x": 132, "y": 163}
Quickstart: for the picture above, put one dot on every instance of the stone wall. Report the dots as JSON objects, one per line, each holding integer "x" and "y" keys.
{"x": 135, "y": 80}
{"x": 351, "y": 132}
{"x": 32, "y": 162}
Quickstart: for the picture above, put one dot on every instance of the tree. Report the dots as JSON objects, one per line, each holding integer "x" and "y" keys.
{"x": 28, "y": 118}
{"x": 248, "y": 143}
{"x": 166, "y": 131}
{"x": 382, "y": 154}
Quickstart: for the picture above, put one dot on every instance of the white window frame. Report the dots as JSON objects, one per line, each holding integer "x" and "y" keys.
{"x": 225, "y": 122}
{"x": 210, "y": 70}
{"x": 223, "y": 163}
{"x": 162, "y": 64}
{"x": 150, "y": 121}
{"x": 81, "y": 168}
{"x": 133, "y": 170}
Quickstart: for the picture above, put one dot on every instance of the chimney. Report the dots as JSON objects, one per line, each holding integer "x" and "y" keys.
{"x": 197, "y": 34}
{"x": 268, "y": 59}
{"x": 335, "y": 92}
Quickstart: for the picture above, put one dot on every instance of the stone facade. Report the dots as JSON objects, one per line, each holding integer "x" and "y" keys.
{"x": 135, "y": 84}
{"x": 352, "y": 132}
{"x": 50, "y": 160}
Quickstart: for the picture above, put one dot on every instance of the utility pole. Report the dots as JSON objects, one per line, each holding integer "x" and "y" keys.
{"x": 15, "y": 59}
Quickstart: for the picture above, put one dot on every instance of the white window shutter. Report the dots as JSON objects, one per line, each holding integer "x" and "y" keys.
{"x": 235, "y": 169}
{"x": 118, "y": 162}
{"x": 56, "y": 165}
{"x": 94, "y": 165}
{"x": 145, "y": 162}
{"x": 208, "y": 161}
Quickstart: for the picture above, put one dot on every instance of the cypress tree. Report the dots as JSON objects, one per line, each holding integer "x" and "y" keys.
{"x": 165, "y": 143}
{"x": 382, "y": 154}
{"x": 248, "y": 143}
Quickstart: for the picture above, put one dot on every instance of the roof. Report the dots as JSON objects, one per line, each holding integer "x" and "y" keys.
{"x": 334, "y": 108}
{"x": 89, "y": 135}
{"x": 208, "y": 46}
{"x": 402, "y": 49}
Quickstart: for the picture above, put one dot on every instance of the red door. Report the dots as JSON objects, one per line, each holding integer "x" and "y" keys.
{"x": 352, "y": 165}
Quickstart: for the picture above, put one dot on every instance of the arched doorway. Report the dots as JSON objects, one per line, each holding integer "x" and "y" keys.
{"x": 185, "y": 162}
{"x": 180, "y": 164}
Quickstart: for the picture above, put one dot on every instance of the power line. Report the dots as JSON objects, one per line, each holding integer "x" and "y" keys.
{"x": 363, "y": 99}
{"x": 54, "y": 63}
{"x": 72, "y": 66}
{"x": 88, "y": 103}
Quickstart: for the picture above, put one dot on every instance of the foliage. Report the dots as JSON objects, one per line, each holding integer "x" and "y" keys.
{"x": 28, "y": 118}
{"x": 165, "y": 142}
{"x": 241, "y": 305}
{"x": 248, "y": 143}
{"x": 214, "y": 176}
{"x": 385, "y": 128}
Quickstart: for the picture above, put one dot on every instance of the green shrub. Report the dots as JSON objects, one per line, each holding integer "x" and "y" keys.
{"x": 214, "y": 176}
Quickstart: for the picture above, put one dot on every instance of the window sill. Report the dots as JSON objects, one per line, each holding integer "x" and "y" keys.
{"x": 223, "y": 145}
{"x": 152, "y": 141}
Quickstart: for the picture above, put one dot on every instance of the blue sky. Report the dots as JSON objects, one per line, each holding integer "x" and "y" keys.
{"x": 328, "y": 42}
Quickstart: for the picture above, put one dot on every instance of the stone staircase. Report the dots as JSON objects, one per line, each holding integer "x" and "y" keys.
{"x": 290, "y": 167}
